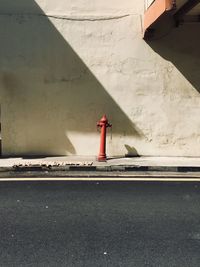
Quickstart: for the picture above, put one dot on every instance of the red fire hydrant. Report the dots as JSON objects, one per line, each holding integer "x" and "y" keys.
{"x": 103, "y": 124}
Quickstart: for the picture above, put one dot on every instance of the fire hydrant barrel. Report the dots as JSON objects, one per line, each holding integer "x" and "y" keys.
{"x": 103, "y": 124}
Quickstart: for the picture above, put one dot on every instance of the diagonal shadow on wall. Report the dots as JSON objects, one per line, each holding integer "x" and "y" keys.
{"x": 181, "y": 46}
{"x": 46, "y": 87}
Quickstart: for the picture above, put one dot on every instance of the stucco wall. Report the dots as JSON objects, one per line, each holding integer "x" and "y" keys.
{"x": 63, "y": 65}
{"x": 148, "y": 3}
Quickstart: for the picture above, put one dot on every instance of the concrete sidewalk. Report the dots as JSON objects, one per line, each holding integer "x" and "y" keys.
{"x": 64, "y": 166}
{"x": 92, "y": 161}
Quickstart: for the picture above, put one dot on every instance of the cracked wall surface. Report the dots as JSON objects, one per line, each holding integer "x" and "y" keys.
{"x": 64, "y": 65}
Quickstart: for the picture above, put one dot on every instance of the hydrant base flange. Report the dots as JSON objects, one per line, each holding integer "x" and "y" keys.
{"x": 102, "y": 158}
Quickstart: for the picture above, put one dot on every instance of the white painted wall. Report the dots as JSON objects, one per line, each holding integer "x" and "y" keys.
{"x": 64, "y": 64}
{"x": 148, "y": 3}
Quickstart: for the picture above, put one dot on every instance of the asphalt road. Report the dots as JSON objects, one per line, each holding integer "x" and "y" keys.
{"x": 99, "y": 224}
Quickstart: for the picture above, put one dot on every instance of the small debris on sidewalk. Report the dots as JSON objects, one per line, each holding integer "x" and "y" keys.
{"x": 51, "y": 163}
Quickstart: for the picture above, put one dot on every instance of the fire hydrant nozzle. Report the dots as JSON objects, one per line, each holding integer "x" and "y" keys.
{"x": 103, "y": 124}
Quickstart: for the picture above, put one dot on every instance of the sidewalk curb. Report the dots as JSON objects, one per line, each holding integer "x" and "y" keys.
{"x": 113, "y": 168}
{"x": 99, "y": 171}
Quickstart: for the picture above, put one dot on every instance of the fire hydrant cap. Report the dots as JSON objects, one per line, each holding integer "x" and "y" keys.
{"x": 104, "y": 119}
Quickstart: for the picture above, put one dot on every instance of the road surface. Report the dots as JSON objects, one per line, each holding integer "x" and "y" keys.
{"x": 99, "y": 224}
